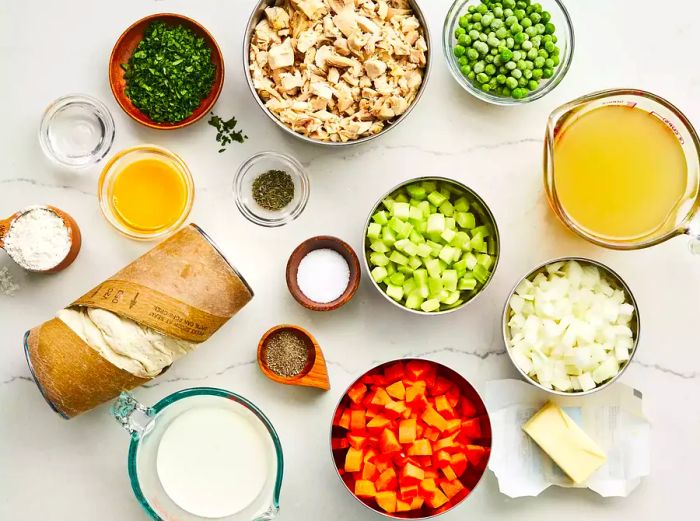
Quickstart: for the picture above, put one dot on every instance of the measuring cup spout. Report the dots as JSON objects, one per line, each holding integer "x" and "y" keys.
{"x": 131, "y": 414}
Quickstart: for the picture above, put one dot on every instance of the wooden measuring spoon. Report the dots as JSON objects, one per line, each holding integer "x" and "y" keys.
{"x": 73, "y": 234}
{"x": 315, "y": 374}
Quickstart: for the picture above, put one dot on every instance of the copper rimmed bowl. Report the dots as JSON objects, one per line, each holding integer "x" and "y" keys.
{"x": 123, "y": 50}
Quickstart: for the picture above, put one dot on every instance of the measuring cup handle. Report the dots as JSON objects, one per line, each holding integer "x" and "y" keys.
{"x": 131, "y": 414}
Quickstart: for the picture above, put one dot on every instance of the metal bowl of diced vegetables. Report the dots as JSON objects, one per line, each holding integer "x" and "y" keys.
{"x": 431, "y": 245}
{"x": 571, "y": 326}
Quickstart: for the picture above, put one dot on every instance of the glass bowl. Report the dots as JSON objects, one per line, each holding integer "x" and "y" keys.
{"x": 565, "y": 42}
{"x": 76, "y": 131}
{"x": 259, "y": 164}
{"x": 116, "y": 164}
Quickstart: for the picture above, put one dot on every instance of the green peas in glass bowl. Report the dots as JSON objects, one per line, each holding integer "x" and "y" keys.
{"x": 508, "y": 52}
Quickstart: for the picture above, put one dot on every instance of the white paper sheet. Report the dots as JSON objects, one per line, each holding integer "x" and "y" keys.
{"x": 612, "y": 417}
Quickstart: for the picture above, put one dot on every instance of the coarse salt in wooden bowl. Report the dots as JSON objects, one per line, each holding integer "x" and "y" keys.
{"x": 317, "y": 243}
{"x": 123, "y": 50}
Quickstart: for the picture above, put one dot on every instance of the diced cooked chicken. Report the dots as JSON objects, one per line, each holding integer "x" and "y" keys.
{"x": 322, "y": 90}
{"x": 306, "y": 40}
{"x": 346, "y": 20}
{"x": 281, "y": 55}
{"x": 375, "y": 68}
{"x": 277, "y": 17}
{"x": 314, "y": 9}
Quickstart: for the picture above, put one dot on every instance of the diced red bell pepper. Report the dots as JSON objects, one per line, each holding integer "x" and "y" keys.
{"x": 471, "y": 428}
{"x": 417, "y": 503}
{"x": 458, "y": 462}
{"x": 476, "y": 454}
{"x": 356, "y": 441}
{"x": 416, "y": 369}
{"x": 437, "y": 499}
{"x": 408, "y": 491}
{"x": 356, "y": 392}
{"x": 442, "y": 385}
{"x": 468, "y": 408}
{"x": 427, "y": 487}
{"x": 447, "y": 443}
{"x": 442, "y": 459}
{"x": 339, "y": 443}
{"x": 431, "y": 434}
{"x": 443, "y": 407}
{"x": 394, "y": 372}
{"x": 402, "y": 506}
{"x": 453, "y": 396}
{"x": 453, "y": 425}
{"x": 387, "y": 480}
{"x": 344, "y": 421}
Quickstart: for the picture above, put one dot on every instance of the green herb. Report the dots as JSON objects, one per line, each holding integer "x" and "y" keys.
{"x": 169, "y": 73}
{"x": 226, "y": 131}
{"x": 286, "y": 354}
{"x": 273, "y": 190}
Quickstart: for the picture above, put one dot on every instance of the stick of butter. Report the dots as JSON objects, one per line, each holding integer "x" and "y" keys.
{"x": 564, "y": 441}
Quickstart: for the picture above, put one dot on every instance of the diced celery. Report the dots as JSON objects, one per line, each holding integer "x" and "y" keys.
{"x": 388, "y": 203}
{"x": 399, "y": 259}
{"x": 444, "y": 189}
{"x": 447, "y": 254}
{"x": 434, "y": 268}
{"x": 447, "y": 209}
{"x": 380, "y": 217}
{"x": 443, "y": 295}
{"x": 390, "y": 268}
{"x": 454, "y": 305}
{"x": 415, "y": 213}
{"x": 449, "y": 280}
{"x": 421, "y": 226}
{"x": 424, "y": 207}
{"x": 451, "y": 298}
{"x": 388, "y": 237}
{"x": 416, "y": 191}
{"x": 409, "y": 285}
{"x": 480, "y": 273}
{"x": 461, "y": 205}
{"x": 396, "y": 224}
{"x": 471, "y": 260}
{"x": 397, "y": 279}
{"x": 450, "y": 223}
{"x": 379, "y": 274}
{"x": 374, "y": 230}
{"x": 401, "y": 198}
{"x": 434, "y": 286}
{"x": 429, "y": 186}
{"x": 457, "y": 254}
{"x": 459, "y": 240}
{"x": 424, "y": 250}
{"x": 416, "y": 237}
{"x": 407, "y": 247}
{"x": 430, "y": 305}
{"x": 491, "y": 246}
{"x": 378, "y": 259}
{"x": 414, "y": 300}
{"x": 400, "y": 210}
{"x": 395, "y": 292}
{"x": 424, "y": 290}
{"x": 434, "y": 247}
{"x": 485, "y": 260}
{"x": 448, "y": 235}
{"x": 415, "y": 262}
{"x": 406, "y": 270}
{"x": 477, "y": 242}
{"x": 466, "y": 283}
{"x": 436, "y": 198}
{"x": 465, "y": 220}
{"x": 484, "y": 230}
{"x": 405, "y": 231}
{"x": 460, "y": 266}
{"x": 436, "y": 223}
{"x": 379, "y": 247}
{"x": 420, "y": 276}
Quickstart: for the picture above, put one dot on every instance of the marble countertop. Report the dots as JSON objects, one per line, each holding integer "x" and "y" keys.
{"x": 76, "y": 470}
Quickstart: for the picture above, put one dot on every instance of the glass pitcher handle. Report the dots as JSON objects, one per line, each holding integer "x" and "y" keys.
{"x": 693, "y": 232}
{"x": 131, "y": 414}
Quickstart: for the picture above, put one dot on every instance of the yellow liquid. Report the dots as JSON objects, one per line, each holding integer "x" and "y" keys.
{"x": 619, "y": 173}
{"x": 149, "y": 195}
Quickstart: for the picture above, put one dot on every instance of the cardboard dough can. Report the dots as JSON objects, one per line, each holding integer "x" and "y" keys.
{"x": 183, "y": 287}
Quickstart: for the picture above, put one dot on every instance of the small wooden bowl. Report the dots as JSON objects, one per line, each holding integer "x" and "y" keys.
{"x": 123, "y": 50}
{"x": 315, "y": 374}
{"x": 73, "y": 233}
{"x": 317, "y": 243}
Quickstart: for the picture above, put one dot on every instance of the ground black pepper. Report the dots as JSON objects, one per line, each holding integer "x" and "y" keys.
{"x": 286, "y": 353}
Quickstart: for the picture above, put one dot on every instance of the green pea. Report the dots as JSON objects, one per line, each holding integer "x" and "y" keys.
{"x": 463, "y": 21}
{"x": 476, "y": 26}
{"x": 483, "y": 37}
{"x": 517, "y": 56}
{"x": 482, "y": 78}
{"x": 511, "y": 65}
{"x": 516, "y": 73}
{"x": 535, "y": 17}
{"x": 506, "y": 92}
{"x": 472, "y": 54}
{"x": 494, "y": 42}
{"x": 549, "y": 63}
{"x": 501, "y": 33}
{"x": 462, "y": 61}
{"x": 522, "y": 82}
{"x": 486, "y": 87}
{"x": 543, "y": 53}
{"x": 511, "y": 21}
{"x": 465, "y": 69}
{"x": 539, "y": 62}
{"x": 526, "y": 22}
{"x": 471, "y": 9}
{"x": 521, "y": 65}
{"x": 510, "y": 42}
{"x": 540, "y": 28}
{"x": 531, "y": 31}
{"x": 554, "y": 38}
{"x": 493, "y": 52}
{"x": 549, "y": 29}
{"x": 502, "y": 69}
{"x": 498, "y": 12}
{"x": 497, "y": 60}
{"x": 501, "y": 79}
{"x": 510, "y": 4}
{"x": 459, "y": 51}
{"x": 508, "y": 12}
{"x": 526, "y": 45}
{"x": 516, "y": 29}
{"x": 549, "y": 46}
{"x": 537, "y": 74}
{"x": 546, "y": 17}
{"x": 532, "y": 85}
{"x": 532, "y": 53}
{"x": 519, "y": 14}
{"x": 529, "y": 65}
{"x": 555, "y": 60}
{"x": 474, "y": 35}
{"x": 471, "y": 76}
{"x": 464, "y": 40}
{"x": 479, "y": 66}
{"x": 511, "y": 82}
{"x": 459, "y": 32}
{"x": 493, "y": 84}
{"x": 482, "y": 9}
{"x": 536, "y": 41}
{"x": 488, "y": 58}
{"x": 497, "y": 24}
{"x": 547, "y": 73}
{"x": 536, "y": 8}
{"x": 506, "y": 54}
{"x": 527, "y": 74}
{"x": 486, "y": 20}
{"x": 519, "y": 93}
{"x": 490, "y": 69}
{"x": 519, "y": 38}
{"x": 476, "y": 17}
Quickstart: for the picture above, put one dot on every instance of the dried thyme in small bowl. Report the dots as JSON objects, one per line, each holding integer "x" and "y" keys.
{"x": 273, "y": 190}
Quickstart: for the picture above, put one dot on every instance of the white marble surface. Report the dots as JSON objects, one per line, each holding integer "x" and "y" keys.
{"x": 59, "y": 470}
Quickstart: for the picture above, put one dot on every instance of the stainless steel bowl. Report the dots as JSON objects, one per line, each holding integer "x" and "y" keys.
{"x": 467, "y": 389}
{"x": 617, "y": 281}
{"x": 255, "y": 16}
{"x": 484, "y": 212}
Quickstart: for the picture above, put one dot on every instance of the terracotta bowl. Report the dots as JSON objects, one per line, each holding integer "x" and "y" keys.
{"x": 317, "y": 243}
{"x": 123, "y": 50}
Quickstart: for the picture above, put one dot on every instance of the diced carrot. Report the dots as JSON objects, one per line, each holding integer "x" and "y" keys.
{"x": 339, "y": 443}
{"x": 437, "y": 499}
{"x": 449, "y": 473}
{"x": 468, "y": 408}
{"x": 417, "y": 503}
{"x": 443, "y": 407}
{"x": 417, "y": 369}
{"x": 388, "y": 442}
{"x": 357, "y": 421}
{"x": 383, "y": 465}
{"x": 458, "y": 462}
{"x": 420, "y": 428}
{"x": 431, "y": 474}
{"x": 353, "y": 460}
{"x": 411, "y": 473}
{"x": 369, "y": 471}
{"x": 344, "y": 421}
{"x": 414, "y": 392}
{"x": 357, "y": 392}
{"x": 356, "y": 441}
{"x": 453, "y": 425}
{"x": 394, "y": 372}
{"x": 431, "y": 434}
{"x": 338, "y": 414}
{"x": 471, "y": 428}
{"x": 476, "y": 454}
{"x": 434, "y": 419}
{"x": 370, "y": 454}
{"x": 451, "y": 488}
{"x": 424, "y": 462}
{"x": 402, "y": 506}
{"x": 394, "y": 409}
{"x": 364, "y": 488}
{"x": 427, "y": 487}
{"x": 442, "y": 459}
{"x": 397, "y": 390}
{"x": 386, "y": 501}
{"x": 408, "y": 491}
{"x": 420, "y": 448}
{"x": 446, "y": 443}
{"x": 430, "y": 376}
{"x": 378, "y": 424}
{"x": 408, "y": 413}
{"x": 407, "y": 431}
{"x": 380, "y": 397}
{"x": 387, "y": 480}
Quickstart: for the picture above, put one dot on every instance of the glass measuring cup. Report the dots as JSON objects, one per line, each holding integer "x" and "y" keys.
{"x": 683, "y": 218}
{"x": 147, "y": 425}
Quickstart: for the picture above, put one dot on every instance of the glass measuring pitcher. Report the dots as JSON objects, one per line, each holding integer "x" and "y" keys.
{"x": 172, "y": 482}
{"x": 625, "y": 178}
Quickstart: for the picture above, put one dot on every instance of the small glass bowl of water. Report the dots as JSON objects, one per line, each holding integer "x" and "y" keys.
{"x": 76, "y": 131}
